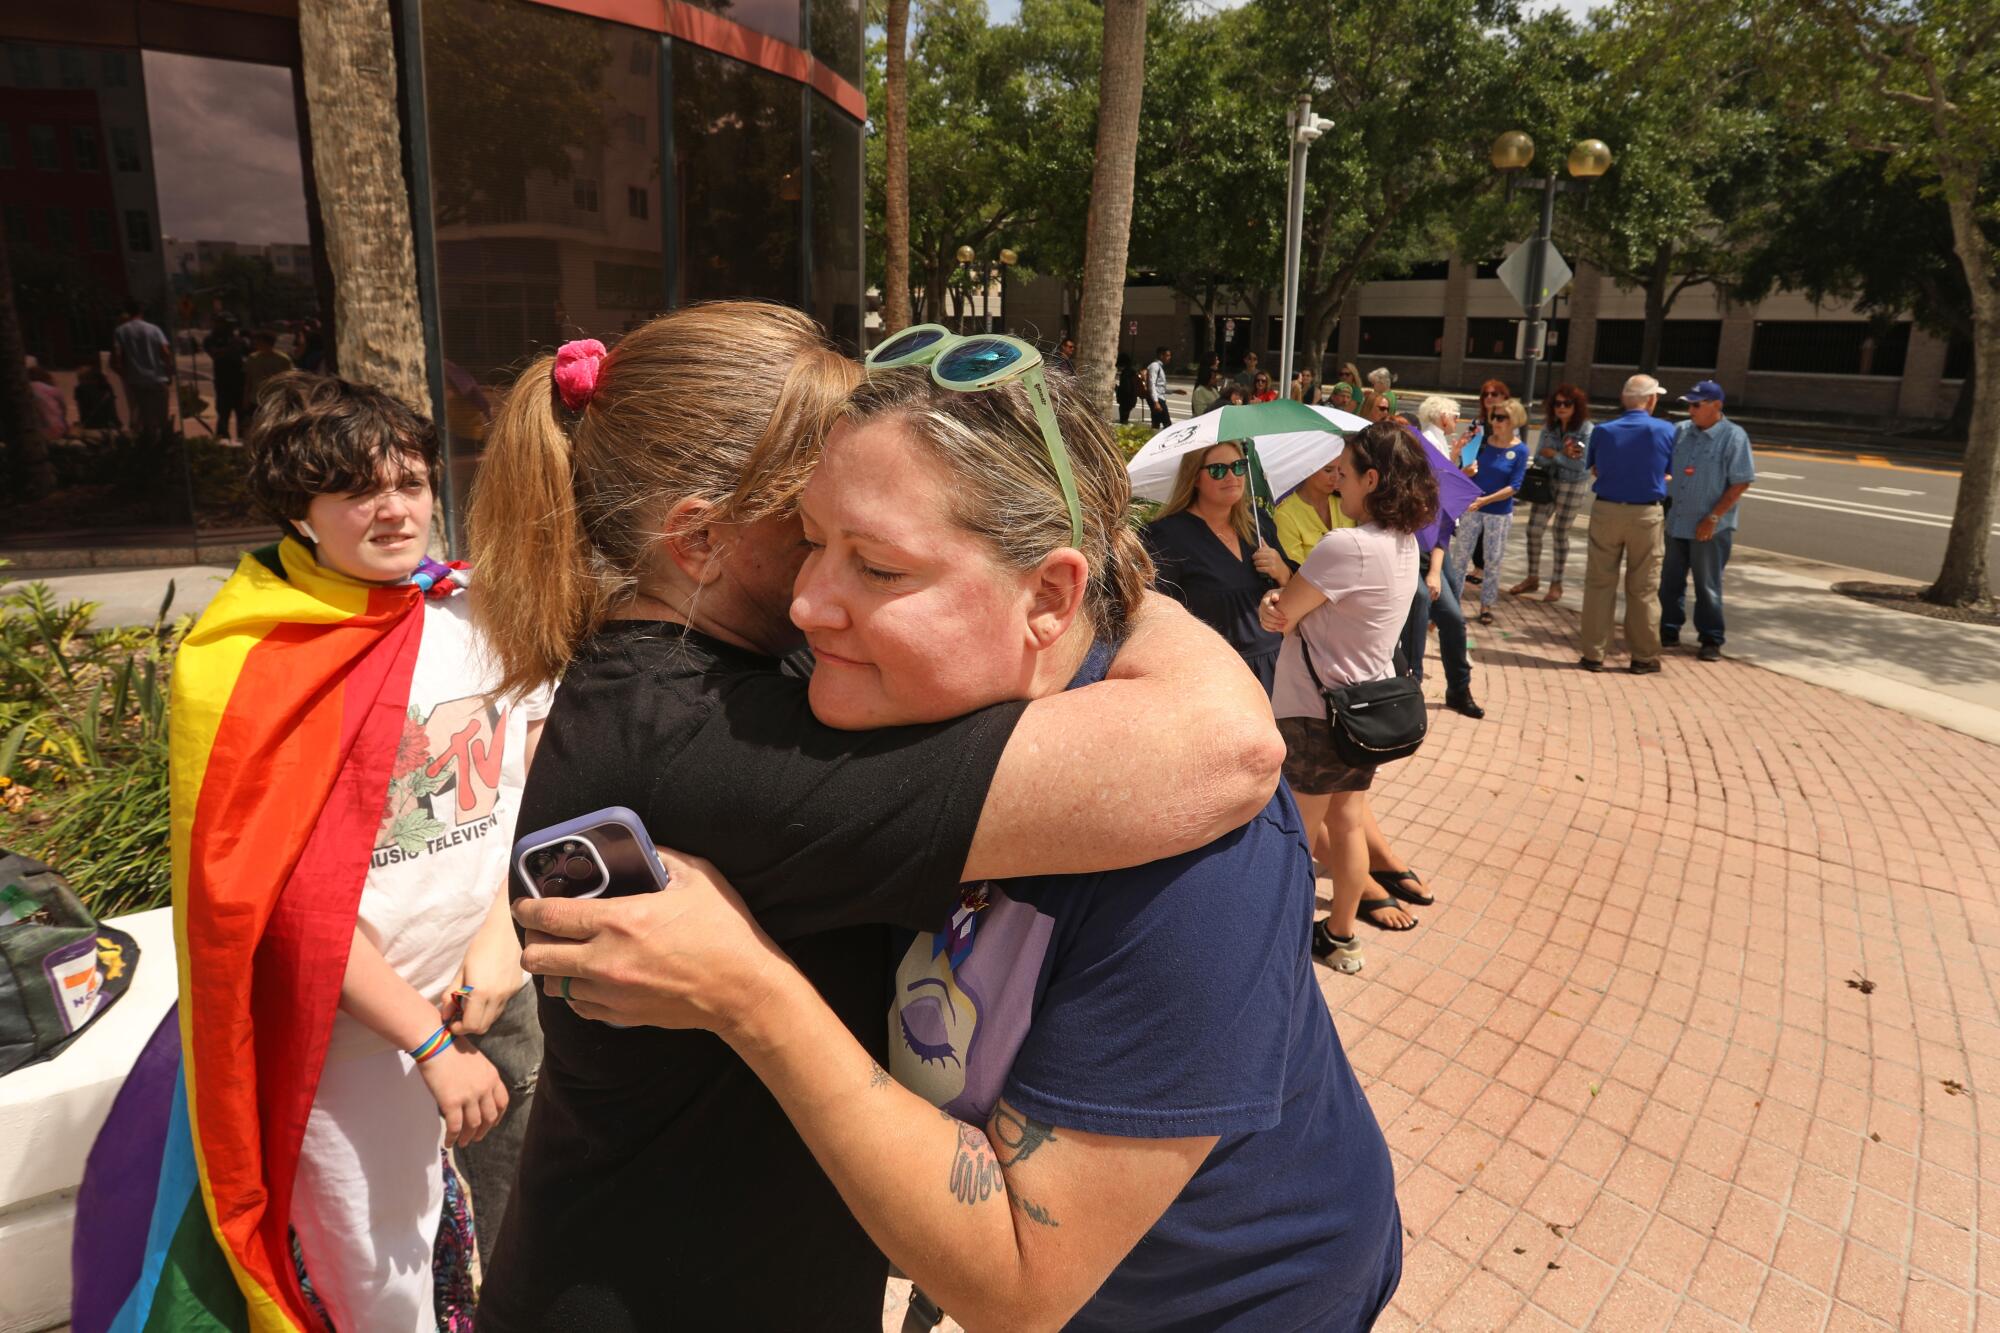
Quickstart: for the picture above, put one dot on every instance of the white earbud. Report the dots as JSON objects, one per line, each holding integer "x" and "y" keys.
{"x": 306, "y": 528}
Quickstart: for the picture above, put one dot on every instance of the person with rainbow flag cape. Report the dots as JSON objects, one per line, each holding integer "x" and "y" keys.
{"x": 344, "y": 782}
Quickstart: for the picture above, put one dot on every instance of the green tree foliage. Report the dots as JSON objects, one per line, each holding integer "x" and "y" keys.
{"x": 1416, "y": 90}
{"x": 1915, "y": 84}
{"x": 501, "y": 129}
{"x": 963, "y": 83}
{"x": 1844, "y": 229}
{"x": 1697, "y": 147}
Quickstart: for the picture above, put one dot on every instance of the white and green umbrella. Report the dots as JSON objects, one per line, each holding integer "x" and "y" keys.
{"x": 1287, "y": 442}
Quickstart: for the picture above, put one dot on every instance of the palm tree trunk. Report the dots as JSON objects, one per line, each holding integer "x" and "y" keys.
{"x": 348, "y": 60}
{"x": 1963, "y": 579}
{"x": 896, "y": 182}
{"x": 27, "y": 451}
{"x": 1108, "y": 232}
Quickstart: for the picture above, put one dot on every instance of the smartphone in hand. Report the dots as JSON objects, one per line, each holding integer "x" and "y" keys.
{"x": 604, "y": 854}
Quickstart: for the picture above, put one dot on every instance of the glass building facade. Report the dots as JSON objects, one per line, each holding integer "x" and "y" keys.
{"x": 575, "y": 167}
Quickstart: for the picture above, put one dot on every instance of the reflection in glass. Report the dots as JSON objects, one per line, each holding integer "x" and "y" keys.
{"x": 545, "y": 151}
{"x": 776, "y": 18}
{"x": 836, "y": 36}
{"x": 836, "y": 223}
{"x": 737, "y": 157}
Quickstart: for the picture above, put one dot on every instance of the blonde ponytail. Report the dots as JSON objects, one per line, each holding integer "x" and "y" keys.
{"x": 540, "y": 591}
{"x": 724, "y": 402}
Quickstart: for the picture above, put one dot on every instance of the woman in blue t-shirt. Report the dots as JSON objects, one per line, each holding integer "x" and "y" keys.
{"x": 1502, "y": 463}
{"x": 1148, "y": 1120}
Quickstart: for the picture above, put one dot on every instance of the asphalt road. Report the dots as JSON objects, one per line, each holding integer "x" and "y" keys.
{"x": 1869, "y": 512}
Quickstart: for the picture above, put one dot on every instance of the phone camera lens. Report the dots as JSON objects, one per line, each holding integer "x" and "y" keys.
{"x": 577, "y": 867}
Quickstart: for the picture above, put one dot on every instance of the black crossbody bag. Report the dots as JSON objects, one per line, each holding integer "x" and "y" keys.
{"x": 1376, "y": 721}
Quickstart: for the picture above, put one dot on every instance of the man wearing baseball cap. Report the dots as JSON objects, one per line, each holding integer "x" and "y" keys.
{"x": 1628, "y": 457}
{"x": 1712, "y": 467}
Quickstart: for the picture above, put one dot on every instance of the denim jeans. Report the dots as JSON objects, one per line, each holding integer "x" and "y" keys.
{"x": 1706, "y": 561}
{"x": 1446, "y": 614}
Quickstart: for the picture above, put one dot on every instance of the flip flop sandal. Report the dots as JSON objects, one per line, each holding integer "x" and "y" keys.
{"x": 1368, "y": 909}
{"x": 1485, "y": 617}
{"x": 1392, "y": 880}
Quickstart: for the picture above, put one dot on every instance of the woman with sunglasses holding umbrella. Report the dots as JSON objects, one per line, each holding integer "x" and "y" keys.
{"x": 1217, "y": 553}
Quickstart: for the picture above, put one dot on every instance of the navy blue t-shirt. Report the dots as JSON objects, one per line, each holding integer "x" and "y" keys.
{"x": 1172, "y": 1000}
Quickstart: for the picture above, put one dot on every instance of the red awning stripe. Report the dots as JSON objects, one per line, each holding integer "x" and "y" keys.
{"x": 712, "y": 32}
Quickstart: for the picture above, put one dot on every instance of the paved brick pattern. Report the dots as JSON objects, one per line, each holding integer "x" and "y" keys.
{"x": 1622, "y": 1073}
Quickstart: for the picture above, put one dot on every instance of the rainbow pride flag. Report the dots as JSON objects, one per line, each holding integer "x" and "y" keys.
{"x": 288, "y": 698}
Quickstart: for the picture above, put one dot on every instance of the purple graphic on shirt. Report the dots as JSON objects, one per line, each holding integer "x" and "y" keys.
{"x": 963, "y": 1002}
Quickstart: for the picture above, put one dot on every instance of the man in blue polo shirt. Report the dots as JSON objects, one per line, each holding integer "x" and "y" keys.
{"x": 1628, "y": 456}
{"x": 1712, "y": 467}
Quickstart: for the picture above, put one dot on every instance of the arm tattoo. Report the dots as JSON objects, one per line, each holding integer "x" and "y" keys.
{"x": 1034, "y": 1212}
{"x": 974, "y": 1174}
{"x": 878, "y": 1077}
{"x": 1016, "y": 1136}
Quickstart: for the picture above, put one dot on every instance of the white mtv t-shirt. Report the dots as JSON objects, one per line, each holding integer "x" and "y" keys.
{"x": 447, "y": 827}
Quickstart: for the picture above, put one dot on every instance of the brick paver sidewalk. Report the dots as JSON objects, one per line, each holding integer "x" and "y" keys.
{"x": 1702, "y": 1032}
{"x": 1624, "y": 1068}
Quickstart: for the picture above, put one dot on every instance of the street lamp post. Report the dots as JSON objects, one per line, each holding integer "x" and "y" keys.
{"x": 1303, "y": 128}
{"x": 1007, "y": 259}
{"x": 1511, "y": 153}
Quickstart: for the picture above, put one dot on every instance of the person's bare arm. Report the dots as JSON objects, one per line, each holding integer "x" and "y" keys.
{"x": 1012, "y": 1226}
{"x": 1173, "y": 749}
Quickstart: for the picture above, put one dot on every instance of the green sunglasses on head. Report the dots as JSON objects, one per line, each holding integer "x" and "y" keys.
{"x": 981, "y": 361}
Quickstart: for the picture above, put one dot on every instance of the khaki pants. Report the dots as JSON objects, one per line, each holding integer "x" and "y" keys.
{"x": 1634, "y": 533}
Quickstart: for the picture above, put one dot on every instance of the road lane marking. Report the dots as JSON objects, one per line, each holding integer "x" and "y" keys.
{"x": 1889, "y": 490}
{"x": 1857, "y": 505}
{"x": 1778, "y": 476}
{"x": 1856, "y": 510}
{"x": 1806, "y": 454}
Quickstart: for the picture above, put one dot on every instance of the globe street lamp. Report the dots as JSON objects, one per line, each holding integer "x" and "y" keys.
{"x": 1007, "y": 258}
{"x": 1512, "y": 153}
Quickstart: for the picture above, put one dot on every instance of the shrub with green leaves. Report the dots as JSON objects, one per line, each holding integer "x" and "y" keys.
{"x": 83, "y": 746}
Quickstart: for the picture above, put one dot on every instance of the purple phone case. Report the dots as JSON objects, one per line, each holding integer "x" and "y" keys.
{"x": 621, "y": 841}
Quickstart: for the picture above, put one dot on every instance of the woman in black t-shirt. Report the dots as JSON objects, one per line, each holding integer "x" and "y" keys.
{"x": 636, "y": 539}
{"x": 1217, "y": 553}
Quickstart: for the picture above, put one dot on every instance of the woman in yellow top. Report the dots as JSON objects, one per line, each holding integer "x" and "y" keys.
{"x": 1308, "y": 514}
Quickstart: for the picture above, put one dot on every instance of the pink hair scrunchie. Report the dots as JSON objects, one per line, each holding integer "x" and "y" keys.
{"x": 578, "y": 365}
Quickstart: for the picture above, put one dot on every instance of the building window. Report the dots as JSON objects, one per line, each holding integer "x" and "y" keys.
{"x": 138, "y": 230}
{"x": 1687, "y": 344}
{"x": 635, "y": 201}
{"x": 1830, "y": 347}
{"x": 635, "y": 128}
{"x": 25, "y": 63}
{"x": 62, "y": 229}
{"x": 1401, "y": 335}
{"x": 42, "y": 147}
{"x": 124, "y": 148}
{"x": 17, "y": 223}
{"x": 1434, "y": 271}
{"x": 737, "y": 136}
{"x": 103, "y": 236}
{"x": 70, "y": 69}
{"x": 1958, "y": 358}
{"x": 583, "y": 193}
{"x": 114, "y": 70}
{"x": 83, "y": 142}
